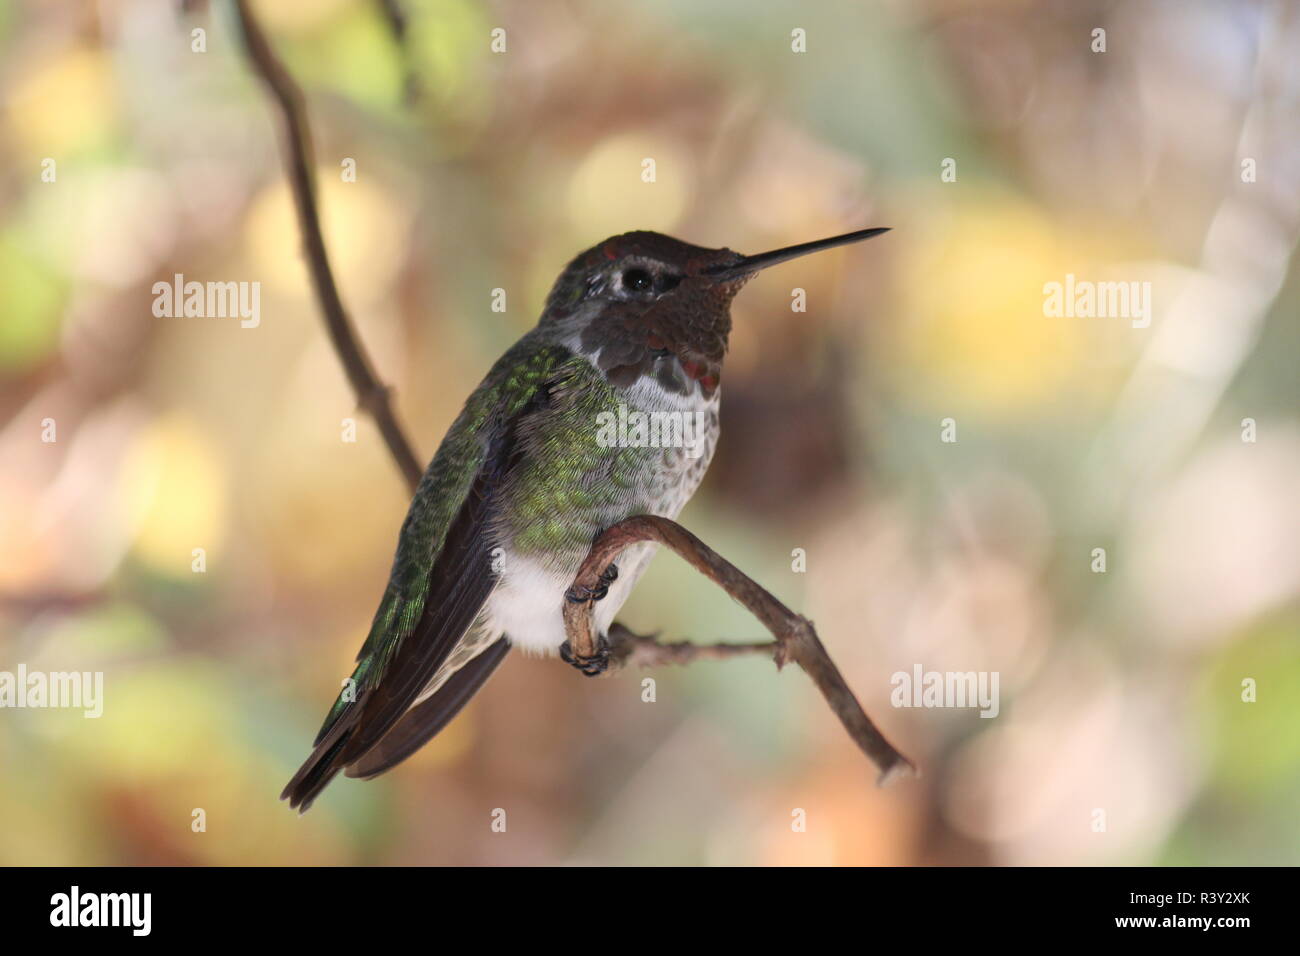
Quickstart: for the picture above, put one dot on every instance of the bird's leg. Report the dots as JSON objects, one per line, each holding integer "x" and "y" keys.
{"x": 597, "y": 663}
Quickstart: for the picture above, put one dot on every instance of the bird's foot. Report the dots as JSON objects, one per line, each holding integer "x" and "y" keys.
{"x": 581, "y": 595}
{"x": 598, "y": 662}
{"x": 592, "y": 666}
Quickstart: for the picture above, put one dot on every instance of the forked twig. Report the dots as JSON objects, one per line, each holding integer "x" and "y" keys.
{"x": 796, "y": 640}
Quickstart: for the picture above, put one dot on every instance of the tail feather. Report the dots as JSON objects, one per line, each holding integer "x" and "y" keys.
{"x": 419, "y": 725}
{"x": 318, "y": 769}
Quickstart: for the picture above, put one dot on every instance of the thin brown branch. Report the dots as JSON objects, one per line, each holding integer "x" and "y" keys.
{"x": 645, "y": 650}
{"x": 372, "y": 395}
{"x": 796, "y": 640}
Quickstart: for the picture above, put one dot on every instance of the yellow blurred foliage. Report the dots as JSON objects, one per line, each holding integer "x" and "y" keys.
{"x": 450, "y": 46}
{"x": 607, "y": 194}
{"x": 975, "y": 330}
{"x": 319, "y": 510}
{"x": 65, "y": 104}
{"x": 168, "y": 744}
{"x": 174, "y": 493}
{"x": 364, "y": 230}
{"x": 30, "y": 296}
{"x": 300, "y": 15}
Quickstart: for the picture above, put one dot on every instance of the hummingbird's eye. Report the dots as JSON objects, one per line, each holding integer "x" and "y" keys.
{"x": 637, "y": 280}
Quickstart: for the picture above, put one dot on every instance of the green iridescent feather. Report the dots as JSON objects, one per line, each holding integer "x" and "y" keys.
{"x": 509, "y": 387}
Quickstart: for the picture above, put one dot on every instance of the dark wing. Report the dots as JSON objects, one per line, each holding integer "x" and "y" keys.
{"x": 460, "y": 581}
{"x": 440, "y": 581}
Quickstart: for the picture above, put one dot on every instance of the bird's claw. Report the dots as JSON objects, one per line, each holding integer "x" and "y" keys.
{"x": 592, "y": 666}
{"x": 581, "y": 595}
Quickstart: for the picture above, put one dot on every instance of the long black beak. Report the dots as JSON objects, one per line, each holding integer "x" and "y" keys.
{"x": 748, "y": 265}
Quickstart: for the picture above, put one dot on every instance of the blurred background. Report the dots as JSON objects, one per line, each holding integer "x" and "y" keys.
{"x": 1006, "y": 152}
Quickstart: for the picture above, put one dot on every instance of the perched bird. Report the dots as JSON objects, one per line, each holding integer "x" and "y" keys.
{"x": 529, "y": 475}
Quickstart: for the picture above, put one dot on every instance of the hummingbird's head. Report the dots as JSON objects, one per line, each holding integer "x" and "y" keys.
{"x": 646, "y": 304}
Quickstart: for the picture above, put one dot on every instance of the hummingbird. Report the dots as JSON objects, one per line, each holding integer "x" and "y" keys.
{"x": 525, "y": 481}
